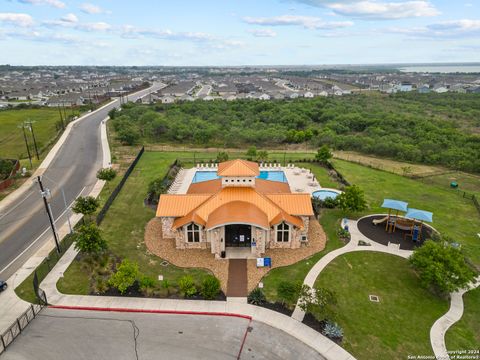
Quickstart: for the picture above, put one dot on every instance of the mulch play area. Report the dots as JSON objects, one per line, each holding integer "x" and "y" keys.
{"x": 378, "y": 234}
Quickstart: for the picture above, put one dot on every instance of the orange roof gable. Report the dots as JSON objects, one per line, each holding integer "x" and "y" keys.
{"x": 171, "y": 205}
{"x": 293, "y": 204}
{"x": 261, "y": 186}
{"x": 238, "y": 168}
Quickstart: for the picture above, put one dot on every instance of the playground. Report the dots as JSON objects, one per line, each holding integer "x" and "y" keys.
{"x": 408, "y": 231}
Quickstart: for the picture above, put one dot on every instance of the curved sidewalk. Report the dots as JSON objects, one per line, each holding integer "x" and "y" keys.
{"x": 310, "y": 337}
{"x": 355, "y": 237}
{"x": 441, "y": 326}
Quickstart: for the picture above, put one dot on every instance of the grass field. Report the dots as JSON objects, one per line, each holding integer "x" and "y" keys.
{"x": 12, "y": 144}
{"x": 465, "y": 334}
{"x": 453, "y": 215}
{"x": 395, "y": 327}
{"x": 124, "y": 226}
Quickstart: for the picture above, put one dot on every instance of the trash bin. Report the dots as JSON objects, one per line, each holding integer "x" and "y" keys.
{"x": 222, "y": 254}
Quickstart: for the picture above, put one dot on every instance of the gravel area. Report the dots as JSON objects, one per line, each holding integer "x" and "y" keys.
{"x": 198, "y": 258}
{"x": 283, "y": 257}
{"x": 202, "y": 258}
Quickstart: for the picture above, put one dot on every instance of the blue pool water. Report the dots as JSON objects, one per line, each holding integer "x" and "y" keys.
{"x": 323, "y": 194}
{"x": 265, "y": 175}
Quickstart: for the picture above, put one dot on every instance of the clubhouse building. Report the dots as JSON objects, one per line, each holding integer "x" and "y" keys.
{"x": 236, "y": 209}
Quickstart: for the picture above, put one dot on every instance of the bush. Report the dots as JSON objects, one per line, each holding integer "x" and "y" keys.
{"x": 155, "y": 189}
{"x": 256, "y": 297}
{"x": 288, "y": 292}
{"x": 85, "y": 205}
{"x": 89, "y": 240}
{"x": 333, "y": 330}
{"x": 187, "y": 286}
{"x": 323, "y": 154}
{"x": 441, "y": 266}
{"x": 6, "y": 167}
{"x": 106, "y": 174}
{"x": 222, "y": 156}
{"x": 210, "y": 287}
{"x": 147, "y": 284}
{"x": 319, "y": 302}
{"x": 352, "y": 199}
{"x": 125, "y": 276}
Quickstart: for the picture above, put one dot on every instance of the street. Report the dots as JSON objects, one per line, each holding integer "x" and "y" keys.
{"x": 24, "y": 225}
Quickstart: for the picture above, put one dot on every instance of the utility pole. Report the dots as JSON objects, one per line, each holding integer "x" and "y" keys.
{"x": 61, "y": 118}
{"x": 26, "y": 144}
{"x": 30, "y": 126}
{"x": 48, "y": 209}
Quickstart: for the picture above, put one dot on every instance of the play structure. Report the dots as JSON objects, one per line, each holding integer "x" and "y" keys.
{"x": 411, "y": 222}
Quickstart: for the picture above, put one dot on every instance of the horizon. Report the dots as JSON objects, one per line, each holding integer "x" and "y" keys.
{"x": 208, "y": 34}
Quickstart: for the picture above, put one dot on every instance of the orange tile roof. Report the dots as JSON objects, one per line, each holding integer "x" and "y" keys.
{"x": 238, "y": 167}
{"x": 293, "y": 204}
{"x": 237, "y": 212}
{"x": 262, "y": 186}
{"x": 179, "y": 205}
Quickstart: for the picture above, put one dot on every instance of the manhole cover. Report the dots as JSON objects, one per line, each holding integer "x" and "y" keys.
{"x": 374, "y": 298}
{"x": 164, "y": 263}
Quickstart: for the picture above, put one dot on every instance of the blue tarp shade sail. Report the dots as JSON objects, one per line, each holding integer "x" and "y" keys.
{"x": 395, "y": 205}
{"x": 421, "y": 215}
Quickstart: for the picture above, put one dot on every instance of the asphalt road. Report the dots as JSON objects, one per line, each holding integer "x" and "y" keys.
{"x": 24, "y": 225}
{"x": 78, "y": 335}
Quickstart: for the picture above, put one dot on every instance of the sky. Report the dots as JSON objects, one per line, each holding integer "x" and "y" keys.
{"x": 238, "y": 32}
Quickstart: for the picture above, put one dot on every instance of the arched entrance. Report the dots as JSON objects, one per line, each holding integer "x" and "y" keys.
{"x": 238, "y": 235}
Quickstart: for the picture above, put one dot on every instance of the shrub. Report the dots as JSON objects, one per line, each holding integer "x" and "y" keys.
{"x": 166, "y": 285}
{"x": 441, "y": 266}
{"x": 352, "y": 199}
{"x": 155, "y": 189}
{"x": 256, "y": 297}
{"x": 125, "y": 276}
{"x": 89, "y": 240}
{"x": 323, "y": 154}
{"x": 288, "y": 292}
{"x": 187, "y": 286}
{"x": 210, "y": 287}
{"x": 319, "y": 302}
{"x": 106, "y": 174}
{"x": 147, "y": 284}
{"x": 222, "y": 156}
{"x": 333, "y": 330}
{"x": 6, "y": 167}
{"x": 85, "y": 205}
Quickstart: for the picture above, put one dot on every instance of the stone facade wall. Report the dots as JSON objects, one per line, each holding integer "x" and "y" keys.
{"x": 260, "y": 236}
{"x": 295, "y": 236}
{"x": 167, "y": 231}
{"x": 182, "y": 243}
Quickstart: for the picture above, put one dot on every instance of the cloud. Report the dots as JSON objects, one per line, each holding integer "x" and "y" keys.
{"x": 461, "y": 28}
{"x": 71, "y": 21}
{"x": 70, "y": 18}
{"x": 133, "y": 32}
{"x": 262, "y": 32}
{"x": 18, "y": 19}
{"x": 88, "y": 8}
{"x": 308, "y": 22}
{"x": 55, "y": 3}
{"x": 377, "y": 9}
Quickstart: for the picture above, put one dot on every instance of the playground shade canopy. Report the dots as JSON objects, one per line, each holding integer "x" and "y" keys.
{"x": 395, "y": 205}
{"x": 421, "y": 215}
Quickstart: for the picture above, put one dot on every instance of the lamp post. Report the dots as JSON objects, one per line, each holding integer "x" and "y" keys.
{"x": 45, "y": 192}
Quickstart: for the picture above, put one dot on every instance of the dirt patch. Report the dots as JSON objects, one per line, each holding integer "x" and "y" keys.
{"x": 284, "y": 257}
{"x": 193, "y": 258}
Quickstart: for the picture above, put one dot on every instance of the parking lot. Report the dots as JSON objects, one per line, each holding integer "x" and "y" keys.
{"x": 77, "y": 334}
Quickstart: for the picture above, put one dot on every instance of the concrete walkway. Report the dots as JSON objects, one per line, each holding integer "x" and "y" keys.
{"x": 441, "y": 326}
{"x": 356, "y": 236}
{"x": 310, "y": 337}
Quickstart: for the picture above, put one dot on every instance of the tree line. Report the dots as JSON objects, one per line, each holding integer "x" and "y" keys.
{"x": 441, "y": 129}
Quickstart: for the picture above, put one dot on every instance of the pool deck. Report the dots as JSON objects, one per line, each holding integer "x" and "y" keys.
{"x": 300, "y": 180}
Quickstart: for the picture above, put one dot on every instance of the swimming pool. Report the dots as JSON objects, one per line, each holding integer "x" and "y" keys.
{"x": 323, "y": 194}
{"x": 265, "y": 175}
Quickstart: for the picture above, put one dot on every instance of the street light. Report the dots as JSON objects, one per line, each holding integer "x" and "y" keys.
{"x": 46, "y": 192}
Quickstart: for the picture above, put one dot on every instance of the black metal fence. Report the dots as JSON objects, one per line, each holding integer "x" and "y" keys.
{"x": 18, "y": 326}
{"x": 118, "y": 188}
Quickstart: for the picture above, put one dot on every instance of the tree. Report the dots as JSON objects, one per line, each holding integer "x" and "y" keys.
{"x": 6, "y": 167}
{"x": 155, "y": 189}
{"x": 262, "y": 155}
{"x": 252, "y": 152}
{"x": 441, "y": 266}
{"x": 106, "y": 174}
{"x": 352, "y": 199}
{"x": 125, "y": 276}
{"x": 320, "y": 302}
{"x": 89, "y": 240}
{"x": 222, "y": 156}
{"x": 85, "y": 205}
{"x": 323, "y": 154}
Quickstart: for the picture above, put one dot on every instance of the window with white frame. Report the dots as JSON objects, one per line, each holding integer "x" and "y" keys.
{"x": 193, "y": 233}
{"x": 283, "y": 232}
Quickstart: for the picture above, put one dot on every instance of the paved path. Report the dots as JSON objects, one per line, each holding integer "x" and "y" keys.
{"x": 237, "y": 278}
{"x": 356, "y": 236}
{"x": 441, "y": 326}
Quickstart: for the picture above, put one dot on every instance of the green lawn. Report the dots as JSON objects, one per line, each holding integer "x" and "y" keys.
{"x": 452, "y": 214}
{"x": 12, "y": 143}
{"x": 465, "y": 334}
{"x": 124, "y": 225}
{"x": 395, "y": 327}
{"x": 330, "y": 220}
{"x": 466, "y": 182}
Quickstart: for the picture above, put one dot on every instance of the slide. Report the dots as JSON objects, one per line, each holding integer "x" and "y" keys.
{"x": 379, "y": 221}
